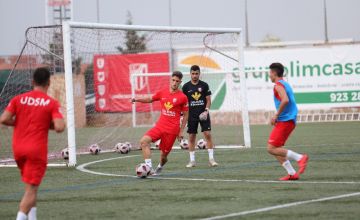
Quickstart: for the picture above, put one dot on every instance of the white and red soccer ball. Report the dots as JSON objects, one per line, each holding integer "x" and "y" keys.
{"x": 128, "y": 144}
{"x": 201, "y": 144}
{"x": 65, "y": 153}
{"x": 142, "y": 170}
{"x": 184, "y": 144}
{"x": 94, "y": 149}
{"x": 157, "y": 143}
{"x": 123, "y": 148}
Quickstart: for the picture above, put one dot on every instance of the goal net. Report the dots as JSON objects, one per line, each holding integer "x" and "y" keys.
{"x": 97, "y": 68}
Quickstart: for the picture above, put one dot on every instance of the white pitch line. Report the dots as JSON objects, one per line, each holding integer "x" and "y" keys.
{"x": 83, "y": 169}
{"x": 270, "y": 208}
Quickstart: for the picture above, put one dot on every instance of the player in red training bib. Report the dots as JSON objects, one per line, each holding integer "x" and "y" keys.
{"x": 167, "y": 129}
{"x": 32, "y": 114}
{"x": 284, "y": 122}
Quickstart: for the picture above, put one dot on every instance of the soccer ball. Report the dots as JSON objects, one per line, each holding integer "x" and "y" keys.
{"x": 157, "y": 143}
{"x": 122, "y": 148}
{"x": 65, "y": 153}
{"x": 142, "y": 170}
{"x": 128, "y": 144}
{"x": 184, "y": 144}
{"x": 201, "y": 144}
{"x": 94, "y": 149}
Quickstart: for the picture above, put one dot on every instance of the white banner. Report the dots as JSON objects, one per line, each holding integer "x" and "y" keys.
{"x": 322, "y": 77}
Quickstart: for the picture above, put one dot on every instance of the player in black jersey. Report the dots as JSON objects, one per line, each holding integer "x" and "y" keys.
{"x": 199, "y": 96}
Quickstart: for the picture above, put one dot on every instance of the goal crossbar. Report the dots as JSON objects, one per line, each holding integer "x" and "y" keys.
{"x": 75, "y": 24}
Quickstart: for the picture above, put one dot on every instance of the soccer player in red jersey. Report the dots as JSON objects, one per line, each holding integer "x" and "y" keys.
{"x": 168, "y": 128}
{"x": 284, "y": 122}
{"x": 32, "y": 114}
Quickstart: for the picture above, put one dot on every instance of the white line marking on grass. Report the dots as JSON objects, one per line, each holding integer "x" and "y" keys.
{"x": 313, "y": 145}
{"x": 83, "y": 169}
{"x": 270, "y": 208}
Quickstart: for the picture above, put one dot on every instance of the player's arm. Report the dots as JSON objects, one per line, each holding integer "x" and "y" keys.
{"x": 203, "y": 116}
{"x": 284, "y": 101}
{"x": 149, "y": 99}
{"x": 58, "y": 124}
{"x": 142, "y": 100}
{"x": 183, "y": 124}
{"x": 208, "y": 102}
{"x": 208, "y": 97}
{"x": 7, "y": 118}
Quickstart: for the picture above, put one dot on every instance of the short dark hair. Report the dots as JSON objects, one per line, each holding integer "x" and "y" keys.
{"x": 278, "y": 68}
{"x": 41, "y": 76}
{"x": 194, "y": 68}
{"x": 177, "y": 74}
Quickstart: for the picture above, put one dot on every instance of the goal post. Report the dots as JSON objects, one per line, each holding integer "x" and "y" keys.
{"x": 93, "y": 69}
{"x": 70, "y": 119}
{"x": 244, "y": 101}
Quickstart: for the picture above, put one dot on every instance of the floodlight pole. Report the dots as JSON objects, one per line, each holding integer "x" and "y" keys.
{"x": 325, "y": 23}
{"x": 171, "y": 61}
{"x": 246, "y": 25}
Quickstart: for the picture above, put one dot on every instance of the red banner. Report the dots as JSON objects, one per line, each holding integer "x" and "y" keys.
{"x": 112, "y": 80}
{"x": 54, "y": 3}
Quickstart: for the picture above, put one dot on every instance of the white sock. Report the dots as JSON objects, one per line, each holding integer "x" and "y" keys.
{"x": 211, "y": 154}
{"x": 21, "y": 216}
{"x": 159, "y": 166}
{"x": 192, "y": 156}
{"x": 32, "y": 214}
{"x": 289, "y": 168}
{"x": 293, "y": 155}
{"x": 148, "y": 162}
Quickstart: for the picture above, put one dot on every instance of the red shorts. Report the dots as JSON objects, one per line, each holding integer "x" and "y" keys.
{"x": 32, "y": 171}
{"x": 281, "y": 132}
{"x": 167, "y": 140}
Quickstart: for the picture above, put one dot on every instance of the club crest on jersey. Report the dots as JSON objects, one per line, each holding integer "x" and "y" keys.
{"x": 196, "y": 96}
{"x": 174, "y": 100}
{"x": 168, "y": 105}
{"x": 199, "y": 89}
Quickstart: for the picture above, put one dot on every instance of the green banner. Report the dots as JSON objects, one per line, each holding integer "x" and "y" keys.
{"x": 327, "y": 97}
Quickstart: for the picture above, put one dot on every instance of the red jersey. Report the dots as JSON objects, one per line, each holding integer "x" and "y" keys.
{"x": 172, "y": 104}
{"x": 34, "y": 112}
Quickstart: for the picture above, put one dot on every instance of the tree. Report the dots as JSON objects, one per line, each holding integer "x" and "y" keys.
{"x": 134, "y": 42}
{"x": 271, "y": 38}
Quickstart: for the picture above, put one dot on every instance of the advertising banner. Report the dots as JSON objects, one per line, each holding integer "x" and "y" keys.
{"x": 112, "y": 75}
{"x": 322, "y": 77}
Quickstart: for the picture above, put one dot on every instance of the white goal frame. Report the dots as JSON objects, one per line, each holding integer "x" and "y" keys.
{"x": 66, "y": 30}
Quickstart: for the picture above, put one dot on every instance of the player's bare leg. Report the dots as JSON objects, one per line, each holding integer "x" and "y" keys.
{"x": 210, "y": 148}
{"x": 163, "y": 161}
{"x": 145, "y": 142}
{"x": 284, "y": 155}
{"x": 28, "y": 202}
{"x": 192, "y": 139}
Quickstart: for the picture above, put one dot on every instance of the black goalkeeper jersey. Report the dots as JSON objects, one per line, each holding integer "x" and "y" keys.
{"x": 197, "y": 97}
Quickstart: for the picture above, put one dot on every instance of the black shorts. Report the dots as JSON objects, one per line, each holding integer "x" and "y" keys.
{"x": 193, "y": 125}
